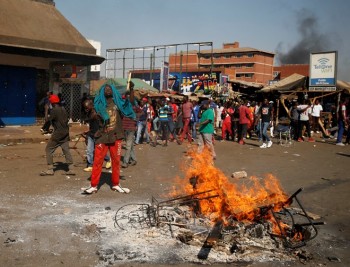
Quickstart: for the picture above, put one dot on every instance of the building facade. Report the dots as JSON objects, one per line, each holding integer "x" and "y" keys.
{"x": 244, "y": 64}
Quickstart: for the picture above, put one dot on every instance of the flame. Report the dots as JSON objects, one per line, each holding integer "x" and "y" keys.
{"x": 241, "y": 199}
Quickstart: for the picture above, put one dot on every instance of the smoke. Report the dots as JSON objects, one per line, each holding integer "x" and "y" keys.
{"x": 310, "y": 40}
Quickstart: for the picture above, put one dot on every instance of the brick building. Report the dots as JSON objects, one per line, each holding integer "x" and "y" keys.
{"x": 239, "y": 63}
{"x": 284, "y": 71}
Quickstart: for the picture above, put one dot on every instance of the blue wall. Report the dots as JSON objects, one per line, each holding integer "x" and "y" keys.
{"x": 17, "y": 95}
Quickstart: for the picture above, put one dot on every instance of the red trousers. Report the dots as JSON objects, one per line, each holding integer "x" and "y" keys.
{"x": 100, "y": 153}
{"x": 186, "y": 130}
{"x": 226, "y": 127}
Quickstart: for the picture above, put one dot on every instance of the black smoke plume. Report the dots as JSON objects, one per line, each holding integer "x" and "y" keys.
{"x": 310, "y": 40}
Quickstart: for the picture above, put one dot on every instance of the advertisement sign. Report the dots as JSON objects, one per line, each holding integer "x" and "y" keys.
{"x": 323, "y": 70}
{"x": 164, "y": 77}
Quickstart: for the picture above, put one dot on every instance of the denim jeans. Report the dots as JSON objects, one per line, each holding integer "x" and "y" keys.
{"x": 340, "y": 131}
{"x": 194, "y": 132}
{"x": 265, "y": 136}
{"x": 141, "y": 129}
{"x": 129, "y": 147}
{"x": 90, "y": 150}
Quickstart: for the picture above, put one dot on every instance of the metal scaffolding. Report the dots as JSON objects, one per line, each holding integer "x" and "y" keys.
{"x": 119, "y": 61}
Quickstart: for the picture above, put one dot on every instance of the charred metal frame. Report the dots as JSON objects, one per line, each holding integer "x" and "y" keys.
{"x": 151, "y": 216}
{"x": 296, "y": 228}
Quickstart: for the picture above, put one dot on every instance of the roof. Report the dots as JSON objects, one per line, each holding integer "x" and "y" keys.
{"x": 38, "y": 29}
{"x": 246, "y": 84}
{"x": 341, "y": 85}
{"x": 234, "y": 50}
{"x": 289, "y": 83}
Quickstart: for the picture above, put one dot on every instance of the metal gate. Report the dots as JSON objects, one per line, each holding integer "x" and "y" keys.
{"x": 71, "y": 94}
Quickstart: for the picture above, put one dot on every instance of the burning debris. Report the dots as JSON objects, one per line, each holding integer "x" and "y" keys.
{"x": 246, "y": 220}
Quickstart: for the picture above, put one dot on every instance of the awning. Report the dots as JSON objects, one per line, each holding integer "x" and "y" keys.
{"x": 292, "y": 82}
{"x": 246, "y": 84}
{"x": 341, "y": 85}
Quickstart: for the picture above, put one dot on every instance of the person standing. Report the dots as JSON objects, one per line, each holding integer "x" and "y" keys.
{"x": 316, "y": 110}
{"x": 304, "y": 120}
{"x": 244, "y": 119}
{"x": 142, "y": 124}
{"x": 186, "y": 112}
{"x": 342, "y": 121}
{"x": 265, "y": 114}
{"x": 93, "y": 121}
{"x": 110, "y": 107}
{"x": 206, "y": 129}
{"x": 129, "y": 126}
{"x": 59, "y": 138}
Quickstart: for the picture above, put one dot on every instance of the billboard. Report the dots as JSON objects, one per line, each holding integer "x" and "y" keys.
{"x": 164, "y": 77}
{"x": 323, "y": 71}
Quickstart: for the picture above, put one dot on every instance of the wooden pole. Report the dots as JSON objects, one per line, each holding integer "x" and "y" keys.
{"x": 128, "y": 82}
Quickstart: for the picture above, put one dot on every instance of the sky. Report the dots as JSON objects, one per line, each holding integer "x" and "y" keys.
{"x": 290, "y": 29}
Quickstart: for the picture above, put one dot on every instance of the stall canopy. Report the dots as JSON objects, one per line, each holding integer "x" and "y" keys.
{"x": 290, "y": 83}
{"x": 245, "y": 84}
{"x": 120, "y": 84}
{"x": 341, "y": 85}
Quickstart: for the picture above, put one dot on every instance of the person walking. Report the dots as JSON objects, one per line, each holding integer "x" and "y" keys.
{"x": 266, "y": 115}
{"x": 59, "y": 138}
{"x": 110, "y": 107}
{"x": 244, "y": 119}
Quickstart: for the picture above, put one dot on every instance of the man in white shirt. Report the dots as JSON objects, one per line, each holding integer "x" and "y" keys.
{"x": 305, "y": 111}
{"x": 316, "y": 110}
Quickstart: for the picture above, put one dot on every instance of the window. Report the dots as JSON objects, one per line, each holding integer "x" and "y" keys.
{"x": 216, "y": 56}
{"x": 249, "y": 65}
{"x": 250, "y": 55}
{"x": 238, "y": 66}
{"x": 227, "y": 56}
{"x": 249, "y": 75}
{"x": 238, "y": 55}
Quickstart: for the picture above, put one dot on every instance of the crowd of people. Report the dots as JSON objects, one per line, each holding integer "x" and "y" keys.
{"x": 114, "y": 118}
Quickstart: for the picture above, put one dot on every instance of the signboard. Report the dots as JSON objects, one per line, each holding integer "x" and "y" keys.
{"x": 164, "y": 77}
{"x": 322, "y": 88}
{"x": 323, "y": 70}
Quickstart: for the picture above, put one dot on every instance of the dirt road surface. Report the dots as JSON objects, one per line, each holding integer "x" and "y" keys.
{"x": 46, "y": 221}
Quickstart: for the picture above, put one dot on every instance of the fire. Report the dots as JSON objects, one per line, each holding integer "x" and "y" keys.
{"x": 244, "y": 199}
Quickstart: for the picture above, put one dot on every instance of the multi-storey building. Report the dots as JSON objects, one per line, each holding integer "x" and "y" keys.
{"x": 239, "y": 63}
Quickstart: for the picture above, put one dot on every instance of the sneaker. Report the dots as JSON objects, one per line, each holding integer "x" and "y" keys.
{"x": 133, "y": 163}
{"x": 88, "y": 169}
{"x": 90, "y": 190}
{"x": 124, "y": 165}
{"x": 263, "y": 145}
{"x": 121, "y": 189}
{"x": 42, "y": 130}
{"x": 311, "y": 140}
{"x": 339, "y": 144}
{"x": 108, "y": 164}
{"x": 269, "y": 144}
{"x": 300, "y": 139}
{"x": 47, "y": 172}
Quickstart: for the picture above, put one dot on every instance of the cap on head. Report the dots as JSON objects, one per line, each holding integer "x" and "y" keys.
{"x": 144, "y": 99}
{"x": 54, "y": 99}
{"x": 205, "y": 102}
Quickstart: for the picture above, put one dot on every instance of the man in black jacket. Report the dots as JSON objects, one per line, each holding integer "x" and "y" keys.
{"x": 59, "y": 137}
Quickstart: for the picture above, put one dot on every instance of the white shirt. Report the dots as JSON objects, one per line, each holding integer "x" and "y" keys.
{"x": 316, "y": 110}
{"x": 304, "y": 116}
